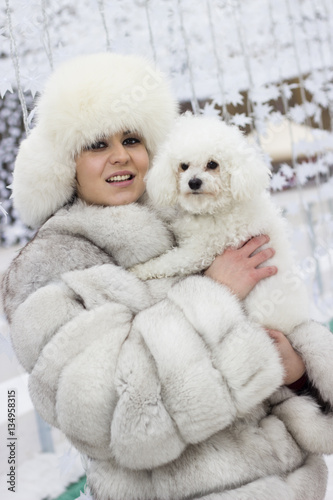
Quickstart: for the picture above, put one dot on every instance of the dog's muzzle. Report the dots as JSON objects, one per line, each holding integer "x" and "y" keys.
{"x": 195, "y": 183}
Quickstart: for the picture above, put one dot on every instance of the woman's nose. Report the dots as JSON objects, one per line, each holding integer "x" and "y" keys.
{"x": 118, "y": 154}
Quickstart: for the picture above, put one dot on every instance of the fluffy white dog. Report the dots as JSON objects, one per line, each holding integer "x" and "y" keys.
{"x": 217, "y": 184}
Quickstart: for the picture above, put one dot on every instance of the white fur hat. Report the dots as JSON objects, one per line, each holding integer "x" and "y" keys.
{"x": 85, "y": 99}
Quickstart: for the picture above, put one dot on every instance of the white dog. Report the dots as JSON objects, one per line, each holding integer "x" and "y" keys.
{"x": 218, "y": 184}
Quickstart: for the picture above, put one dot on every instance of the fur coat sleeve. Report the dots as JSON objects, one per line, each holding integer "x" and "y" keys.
{"x": 121, "y": 371}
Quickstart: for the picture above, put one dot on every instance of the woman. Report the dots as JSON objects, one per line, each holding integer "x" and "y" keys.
{"x": 166, "y": 386}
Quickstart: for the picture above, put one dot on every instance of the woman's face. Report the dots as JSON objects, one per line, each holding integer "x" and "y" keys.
{"x": 111, "y": 171}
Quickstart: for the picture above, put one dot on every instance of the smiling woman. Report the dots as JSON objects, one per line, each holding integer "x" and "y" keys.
{"x": 163, "y": 385}
{"x": 82, "y": 97}
{"x": 111, "y": 171}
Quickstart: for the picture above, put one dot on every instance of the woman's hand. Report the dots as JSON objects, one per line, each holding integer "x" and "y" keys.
{"x": 293, "y": 364}
{"x": 237, "y": 268}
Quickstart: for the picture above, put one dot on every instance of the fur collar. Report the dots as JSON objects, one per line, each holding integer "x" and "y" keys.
{"x": 130, "y": 233}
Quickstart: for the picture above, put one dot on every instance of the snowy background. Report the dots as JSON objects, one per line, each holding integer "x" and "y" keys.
{"x": 263, "y": 65}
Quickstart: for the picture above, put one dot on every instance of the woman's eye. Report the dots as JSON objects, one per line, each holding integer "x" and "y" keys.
{"x": 97, "y": 145}
{"x": 130, "y": 141}
{"x": 212, "y": 165}
{"x": 184, "y": 166}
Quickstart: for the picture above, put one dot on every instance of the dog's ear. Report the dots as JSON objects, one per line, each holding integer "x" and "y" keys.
{"x": 161, "y": 180}
{"x": 249, "y": 174}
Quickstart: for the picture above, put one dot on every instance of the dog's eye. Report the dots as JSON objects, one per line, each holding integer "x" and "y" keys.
{"x": 184, "y": 166}
{"x": 212, "y": 165}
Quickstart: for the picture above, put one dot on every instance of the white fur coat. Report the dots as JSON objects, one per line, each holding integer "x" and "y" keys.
{"x": 166, "y": 385}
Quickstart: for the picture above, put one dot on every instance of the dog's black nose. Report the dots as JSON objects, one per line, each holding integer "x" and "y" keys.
{"x": 195, "y": 183}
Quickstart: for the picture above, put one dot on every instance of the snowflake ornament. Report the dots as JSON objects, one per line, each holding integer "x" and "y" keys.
{"x": 264, "y": 93}
{"x": 84, "y": 496}
{"x": 234, "y": 97}
{"x": 32, "y": 81}
{"x": 210, "y": 109}
{"x": 287, "y": 171}
{"x": 287, "y": 90}
{"x": 278, "y": 181}
{"x": 67, "y": 461}
{"x": 297, "y": 113}
{"x": 241, "y": 120}
{"x": 5, "y": 86}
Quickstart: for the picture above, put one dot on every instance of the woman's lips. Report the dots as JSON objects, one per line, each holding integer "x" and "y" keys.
{"x": 121, "y": 179}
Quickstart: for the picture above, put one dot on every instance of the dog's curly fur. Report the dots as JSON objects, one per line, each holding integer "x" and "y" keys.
{"x": 217, "y": 184}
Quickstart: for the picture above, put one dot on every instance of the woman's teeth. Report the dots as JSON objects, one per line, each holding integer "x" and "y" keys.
{"x": 118, "y": 178}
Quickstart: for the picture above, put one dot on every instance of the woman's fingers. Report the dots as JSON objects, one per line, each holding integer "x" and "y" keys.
{"x": 262, "y": 256}
{"x": 275, "y": 335}
{"x": 251, "y": 249}
{"x": 250, "y": 246}
{"x": 238, "y": 268}
{"x": 265, "y": 272}
{"x": 292, "y": 362}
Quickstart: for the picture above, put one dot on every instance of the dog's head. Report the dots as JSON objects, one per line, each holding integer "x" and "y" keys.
{"x": 205, "y": 165}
